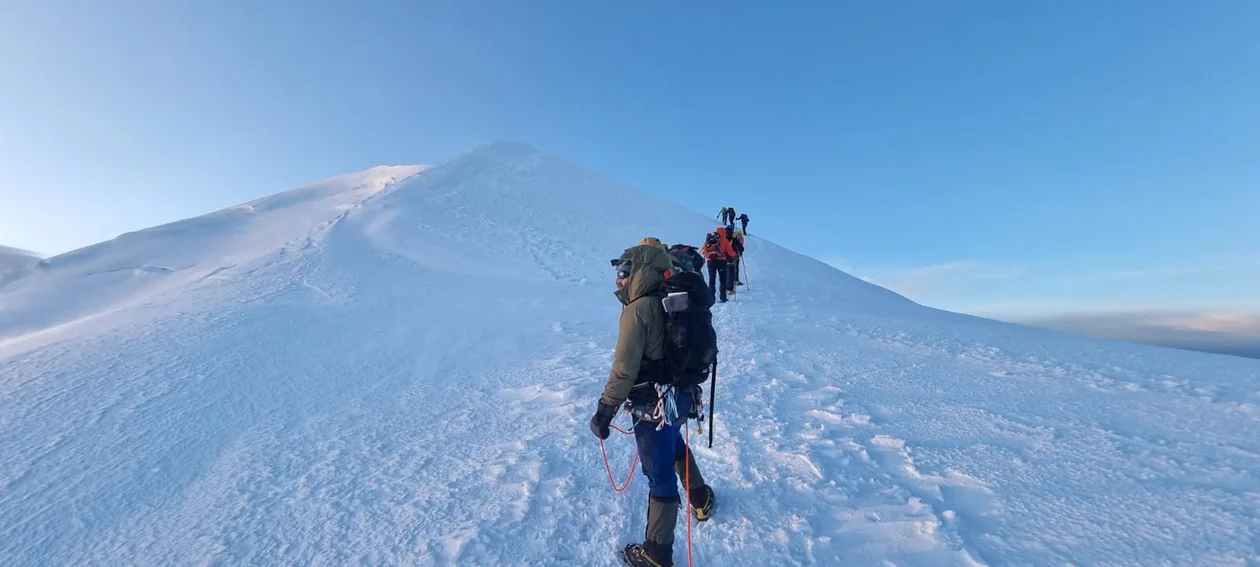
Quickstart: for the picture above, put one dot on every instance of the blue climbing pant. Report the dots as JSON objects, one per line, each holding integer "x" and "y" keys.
{"x": 658, "y": 450}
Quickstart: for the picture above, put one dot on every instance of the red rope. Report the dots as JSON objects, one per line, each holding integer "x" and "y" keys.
{"x": 687, "y": 486}
{"x": 608, "y": 467}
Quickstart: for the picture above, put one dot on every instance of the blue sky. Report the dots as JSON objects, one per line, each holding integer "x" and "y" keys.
{"x": 1012, "y": 159}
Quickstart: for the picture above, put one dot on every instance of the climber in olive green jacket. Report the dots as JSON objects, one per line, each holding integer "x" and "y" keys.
{"x": 638, "y": 364}
{"x": 641, "y": 333}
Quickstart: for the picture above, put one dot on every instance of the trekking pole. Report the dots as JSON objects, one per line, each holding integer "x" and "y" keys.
{"x": 712, "y": 399}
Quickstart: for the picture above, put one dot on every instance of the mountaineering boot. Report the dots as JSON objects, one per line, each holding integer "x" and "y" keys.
{"x": 636, "y": 555}
{"x": 702, "y": 501}
{"x": 657, "y": 549}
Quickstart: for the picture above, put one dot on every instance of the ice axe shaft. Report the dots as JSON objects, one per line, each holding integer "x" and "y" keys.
{"x": 712, "y": 399}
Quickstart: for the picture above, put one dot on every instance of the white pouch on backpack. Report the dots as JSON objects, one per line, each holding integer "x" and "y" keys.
{"x": 676, "y": 302}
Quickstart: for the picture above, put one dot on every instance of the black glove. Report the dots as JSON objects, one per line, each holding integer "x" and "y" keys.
{"x": 602, "y": 418}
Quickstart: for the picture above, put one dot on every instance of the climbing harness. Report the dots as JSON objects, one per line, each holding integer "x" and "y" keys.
{"x": 668, "y": 406}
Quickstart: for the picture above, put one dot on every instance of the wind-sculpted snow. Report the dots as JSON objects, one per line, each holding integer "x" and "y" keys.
{"x": 400, "y": 372}
{"x": 140, "y": 270}
{"x": 11, "y": 258}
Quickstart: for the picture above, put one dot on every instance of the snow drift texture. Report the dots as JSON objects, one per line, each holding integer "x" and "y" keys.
{"x": 397, "y": 366}
{"x": 13, "y": 258}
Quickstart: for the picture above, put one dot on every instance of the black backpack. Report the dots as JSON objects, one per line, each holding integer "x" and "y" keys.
{"x": 694, "y": 262}
{"x": 690, "y": 341}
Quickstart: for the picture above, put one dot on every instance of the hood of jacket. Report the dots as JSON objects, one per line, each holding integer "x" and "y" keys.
{"x": 648, "y": 265}
{"x": 653, "y": 241}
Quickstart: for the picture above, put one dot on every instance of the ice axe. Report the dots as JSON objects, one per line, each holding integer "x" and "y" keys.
{"x": 712, "y": 398}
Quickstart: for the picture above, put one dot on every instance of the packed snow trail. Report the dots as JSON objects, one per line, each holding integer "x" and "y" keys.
{"x": 405, "y": 377}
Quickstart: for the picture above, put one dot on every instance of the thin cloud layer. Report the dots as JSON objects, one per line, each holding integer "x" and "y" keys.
{"x": 1215, "y": 313}
{"x": 1223, "y": 333}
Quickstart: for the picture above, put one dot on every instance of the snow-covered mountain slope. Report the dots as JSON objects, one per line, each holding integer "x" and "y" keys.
{"x": 402, "y": 374}
{"x": 139, "y": 268}
{"x": 11, "y": 258}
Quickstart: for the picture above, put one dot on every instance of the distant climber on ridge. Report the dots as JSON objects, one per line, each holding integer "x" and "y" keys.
{"x": 743, "y": 221}
{"x": 639, "y": 365}
{"x": 722, "y": 215}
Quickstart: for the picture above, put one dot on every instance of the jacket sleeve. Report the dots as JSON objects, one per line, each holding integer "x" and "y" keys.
{"x": 631, "y": 339}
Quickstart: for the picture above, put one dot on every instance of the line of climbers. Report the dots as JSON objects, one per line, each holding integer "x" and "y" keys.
{"x": 666, "y": 350}
{"x": 727, "y": 214}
